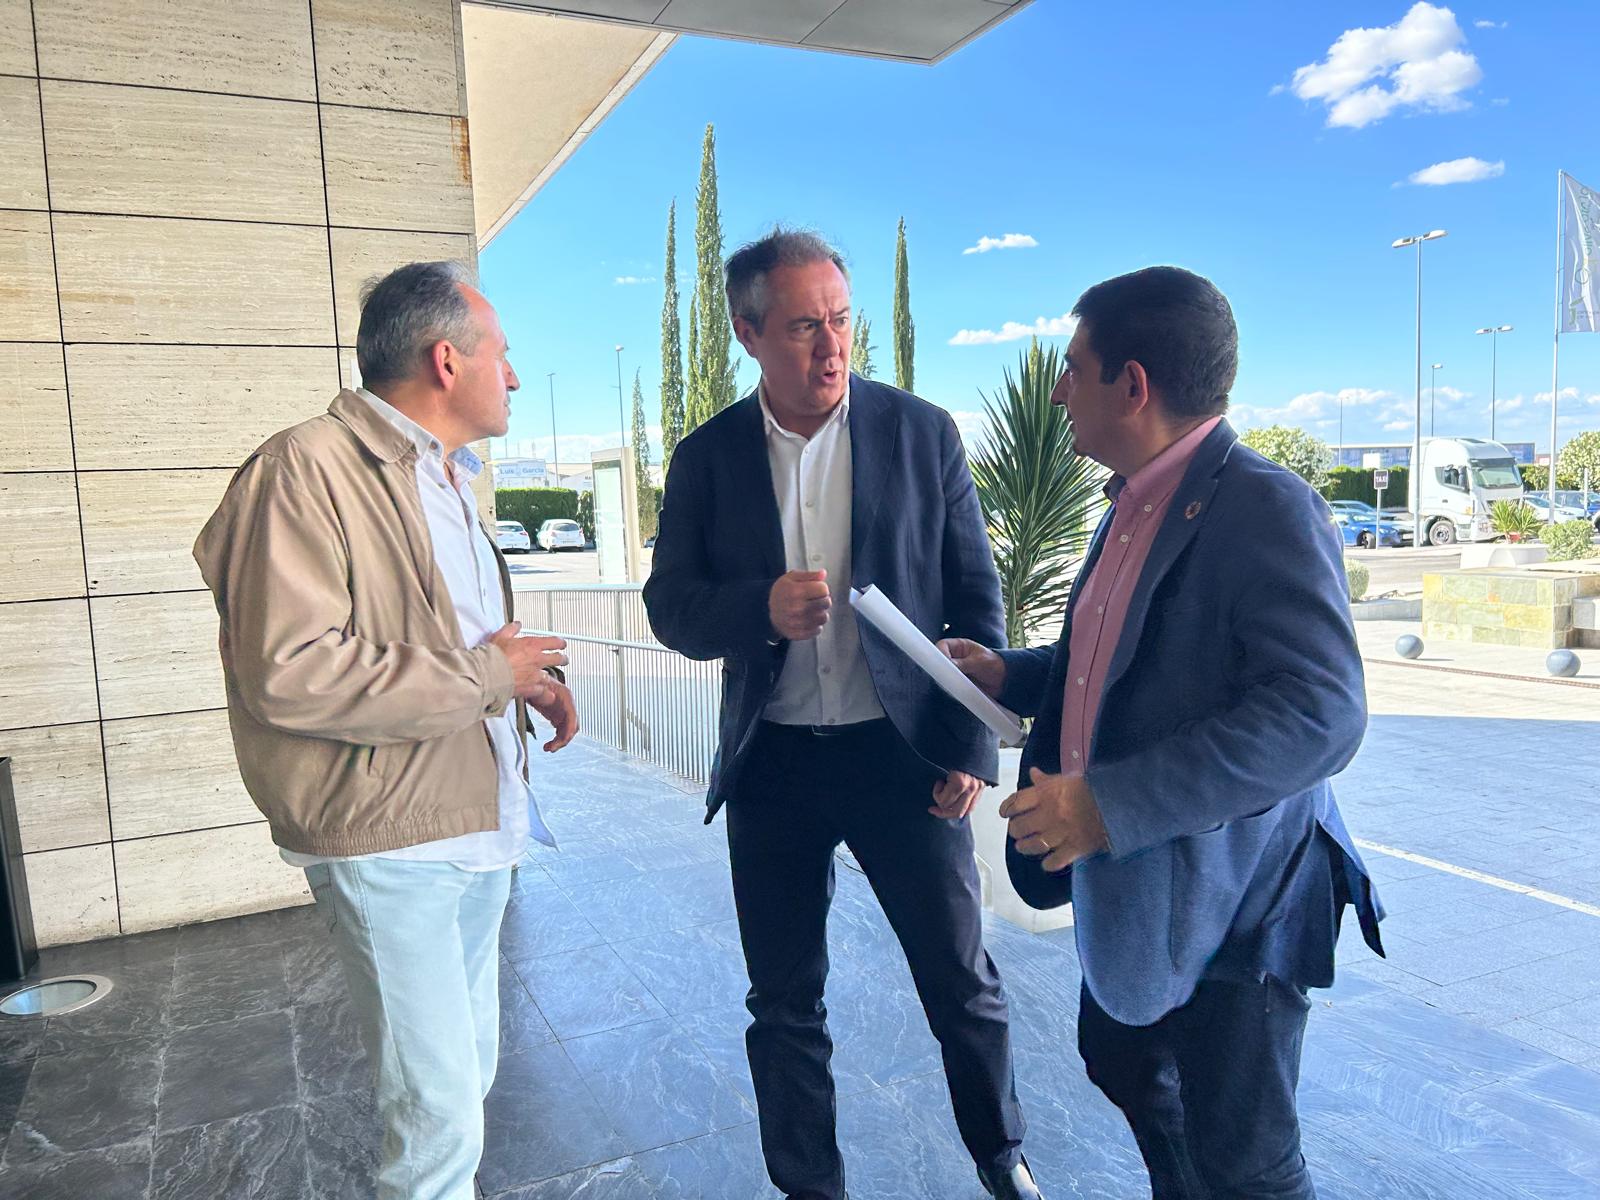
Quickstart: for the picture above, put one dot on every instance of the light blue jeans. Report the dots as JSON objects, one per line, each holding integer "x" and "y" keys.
{"x": 420, "y": 946}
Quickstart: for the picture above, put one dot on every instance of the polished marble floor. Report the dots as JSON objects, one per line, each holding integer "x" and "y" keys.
{"x": 225, "y": 1065}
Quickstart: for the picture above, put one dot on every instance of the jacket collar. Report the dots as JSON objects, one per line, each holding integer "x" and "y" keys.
{"x": 383, "y": 440}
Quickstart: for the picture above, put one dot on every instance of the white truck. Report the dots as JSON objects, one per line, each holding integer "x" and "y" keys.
{"x": 1460, "y": 480}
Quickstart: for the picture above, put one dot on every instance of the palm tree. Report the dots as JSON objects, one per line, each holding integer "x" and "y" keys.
{"x": 1039, "y": 496}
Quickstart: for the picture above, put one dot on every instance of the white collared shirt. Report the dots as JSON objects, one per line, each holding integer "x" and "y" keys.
{"x": 471, "y": 574}
{"x": 825, "y": 680}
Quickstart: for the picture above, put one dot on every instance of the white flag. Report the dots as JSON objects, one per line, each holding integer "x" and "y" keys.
{"x": 1580, "y": 259}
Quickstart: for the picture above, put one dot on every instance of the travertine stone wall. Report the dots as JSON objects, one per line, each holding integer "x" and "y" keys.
{"x": 191, "y": 194}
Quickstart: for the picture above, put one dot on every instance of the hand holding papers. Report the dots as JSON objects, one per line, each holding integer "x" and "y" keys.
{"x": 879, "y": 611}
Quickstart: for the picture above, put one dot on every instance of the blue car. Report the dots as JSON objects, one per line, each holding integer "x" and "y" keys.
{"x": 1363, "y": 513}
{"x": 1358, "y": 528}
{"x": 1574, "y": 500}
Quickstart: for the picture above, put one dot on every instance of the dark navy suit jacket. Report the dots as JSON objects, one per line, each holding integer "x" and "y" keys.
{"x": 1234, "y": 694}
{"x": 917, "y": 533}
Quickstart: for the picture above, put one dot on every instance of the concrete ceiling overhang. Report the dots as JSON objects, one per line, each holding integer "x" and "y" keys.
{"x": 539, "y": 81}
{"x": 537, "y": 86}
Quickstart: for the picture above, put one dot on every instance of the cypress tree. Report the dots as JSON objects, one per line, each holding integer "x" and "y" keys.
{"x": 671, "y": 349}
{"x": 711, "y": 373}
{"x": 861, "y": 346}
{"x": 905, "y": 330}
{"x": 641, "y": 459}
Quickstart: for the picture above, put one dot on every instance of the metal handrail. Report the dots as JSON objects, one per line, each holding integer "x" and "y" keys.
{"x": 632, "y": 692}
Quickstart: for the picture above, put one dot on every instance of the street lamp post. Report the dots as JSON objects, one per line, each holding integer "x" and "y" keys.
{"x": 1433, "y": 387}
{"x": 1494, "y": 332}
{"x": 1416, "y": 441}
{"x": 620, "y": 417}
{"x": 555, "y": 454}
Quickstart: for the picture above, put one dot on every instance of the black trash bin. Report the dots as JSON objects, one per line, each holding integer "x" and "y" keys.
{"x": 18, "y": 949}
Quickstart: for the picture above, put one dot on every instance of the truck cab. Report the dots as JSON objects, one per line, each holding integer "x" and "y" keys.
{"x": 1460, "y": 480}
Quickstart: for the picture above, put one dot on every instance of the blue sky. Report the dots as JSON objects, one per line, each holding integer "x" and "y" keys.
{"x": 1268, "y": 146}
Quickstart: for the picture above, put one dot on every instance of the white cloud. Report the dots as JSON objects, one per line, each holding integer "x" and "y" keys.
{"x": 1457, "y": 170}
{"x": 1317, "y": 406}
{"x": 1015, "y": 331}
{"x": 1415, "y": 63}
{"x": 1451, "y": 395}
{"x": 1396, "y": 426}
{"x": 1010, "y": 241}
{"x": 1482, "y": 24}
{"x": 631, "y": 280}
{"x": 1500, "y": 101}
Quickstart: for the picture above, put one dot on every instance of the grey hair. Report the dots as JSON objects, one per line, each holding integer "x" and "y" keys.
{"x": 409, "y": 311}
{"x": 747, "y": 271}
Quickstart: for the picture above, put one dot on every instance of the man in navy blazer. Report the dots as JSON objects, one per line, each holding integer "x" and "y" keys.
{"x": 773, "y": 509}
{"x": 1175, "y": 786}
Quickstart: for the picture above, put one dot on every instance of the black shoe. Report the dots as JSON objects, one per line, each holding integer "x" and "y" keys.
{"x": 1015, "y": 1184}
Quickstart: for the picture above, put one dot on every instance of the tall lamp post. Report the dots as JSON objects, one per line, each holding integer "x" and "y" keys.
{"x": 1415, "y": 473}
{"x": 1494, "y": 332}
{"x": 1433, "y": 388}
{"x": 555, "y": 454}
{"x": 620, "y": 417}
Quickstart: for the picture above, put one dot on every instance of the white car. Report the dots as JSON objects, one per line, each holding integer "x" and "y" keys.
{"x": 513, "y": 538}
{"x": 1540, "y": 503}
{"x": 560, "y": 534}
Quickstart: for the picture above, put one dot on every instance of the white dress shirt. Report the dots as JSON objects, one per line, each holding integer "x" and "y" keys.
{"x": 471, "y": 574}
{"x": 825, "y": 680}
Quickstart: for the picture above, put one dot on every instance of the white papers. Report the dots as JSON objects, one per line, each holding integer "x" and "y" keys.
{"x": 888, "y": 620}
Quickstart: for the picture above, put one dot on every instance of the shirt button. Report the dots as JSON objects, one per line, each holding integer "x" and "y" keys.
{"x": 1080, "y": 680}
{"x": 1124, "y": 539}
{"x": 1101, "y": 610}
{"x": 816, "y": 558}
{"x": 1074, "y": 755}
{"x": 811, "y": 503}
{"x": 827, "y": 670}
{"x": 1149, "y": 508}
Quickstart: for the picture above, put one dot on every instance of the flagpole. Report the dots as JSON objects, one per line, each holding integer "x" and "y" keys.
{"x": 1555, "y": 357}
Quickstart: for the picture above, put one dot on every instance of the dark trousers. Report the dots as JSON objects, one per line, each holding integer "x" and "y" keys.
{"x": 799, "y": 795}
{"x": 1209, "y": 1090}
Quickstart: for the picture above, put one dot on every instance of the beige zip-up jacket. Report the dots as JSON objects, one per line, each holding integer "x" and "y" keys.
{"x": 357, "y": 713}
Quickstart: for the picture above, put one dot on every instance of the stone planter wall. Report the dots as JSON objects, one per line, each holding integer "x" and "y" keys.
{"x": 1531, "y": 607}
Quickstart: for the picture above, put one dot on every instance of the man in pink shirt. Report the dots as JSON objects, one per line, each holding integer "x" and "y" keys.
{"x": 1174, "y": 786}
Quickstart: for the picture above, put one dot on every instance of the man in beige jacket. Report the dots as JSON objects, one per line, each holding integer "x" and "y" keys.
{"x": 379, "y": 695}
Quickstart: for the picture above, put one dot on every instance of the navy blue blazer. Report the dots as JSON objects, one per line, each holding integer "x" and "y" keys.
{"x": 916, "y": 532}
{"x": 1234, "y": 693}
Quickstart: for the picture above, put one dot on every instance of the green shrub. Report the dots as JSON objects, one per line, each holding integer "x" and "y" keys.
{"x": 1568, "y": 540}
{"x": 1358, "y": 577}
{"x": 534, "y": 506}
{"x": 1513, "y": 516}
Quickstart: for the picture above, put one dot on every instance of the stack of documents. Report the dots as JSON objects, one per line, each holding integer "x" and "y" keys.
{"x": 880, "y": 612}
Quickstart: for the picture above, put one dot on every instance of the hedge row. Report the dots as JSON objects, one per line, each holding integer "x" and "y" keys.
{"x": 1355, "y": 483}
{"x": 534, "y": 506}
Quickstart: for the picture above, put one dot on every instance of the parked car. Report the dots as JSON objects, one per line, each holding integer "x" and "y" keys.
{"x": 1360, "y": 532}
{"x": 1363, "y": 513}
{"x": 1576, "y": 500}
{"x": 560, "y": 534}
{"x": 513, "y": 538}
{"x": 1540, "y": 503}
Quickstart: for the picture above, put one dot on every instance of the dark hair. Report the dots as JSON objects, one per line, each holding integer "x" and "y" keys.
{"x": 747, "y": 271}
{"x": 1173, "y": 323}
{"x": 409, "y": 311}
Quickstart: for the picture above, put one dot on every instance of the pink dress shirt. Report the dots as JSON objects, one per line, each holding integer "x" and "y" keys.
{"x": 1102, "y": 607}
